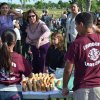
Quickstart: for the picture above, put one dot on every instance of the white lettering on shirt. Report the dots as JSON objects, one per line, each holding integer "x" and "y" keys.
{"x": 13, "y": 64}
{"x": 92, "y": 64}
{"x": 93, "y": 55}
{"x": 6, "y": 75}
{"x": 91, "y": 45}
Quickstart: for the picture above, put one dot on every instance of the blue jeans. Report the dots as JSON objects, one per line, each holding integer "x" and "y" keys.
{"x": 10, "y": 95}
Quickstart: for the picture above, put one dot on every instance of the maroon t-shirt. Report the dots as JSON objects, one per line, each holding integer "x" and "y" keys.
{"x": 19, "y": 66}
{"x": 84, "y": 52}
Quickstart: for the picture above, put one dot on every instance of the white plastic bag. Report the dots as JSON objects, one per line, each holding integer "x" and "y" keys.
{"x": 59, "y": 72}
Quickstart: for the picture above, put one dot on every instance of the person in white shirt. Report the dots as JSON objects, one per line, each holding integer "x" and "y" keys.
{"x": 71, "y": 31}
{"x": 17, "y": 30}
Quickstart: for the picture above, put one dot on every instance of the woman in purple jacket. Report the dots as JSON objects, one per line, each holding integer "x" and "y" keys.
{"x": 38, "y": 37}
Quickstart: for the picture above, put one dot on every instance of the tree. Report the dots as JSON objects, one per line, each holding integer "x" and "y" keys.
{"x": 23, "y": 2}
{"x": 88, "y": 5}
{"x": 60, "y": 3}
{"x": 39, "y": 4}
{"x": 85, "y": 5}
{"x": 94, "y": 5}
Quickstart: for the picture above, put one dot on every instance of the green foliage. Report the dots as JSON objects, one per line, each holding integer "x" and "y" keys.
{"x": 24, "y": 1}
{"x": 15, "y": 5}
{"x": 82, "y": 4}
{"x": 94, "y": 5}
{"x": 29, "y": 6}
{"x": 40, "y": 4}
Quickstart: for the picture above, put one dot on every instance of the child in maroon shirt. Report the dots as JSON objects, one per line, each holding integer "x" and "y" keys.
{"x": 84, "y": 53}
{"x": 12, "y": 66}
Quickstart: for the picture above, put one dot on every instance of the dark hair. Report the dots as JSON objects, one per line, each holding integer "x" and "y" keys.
{"x": 85, "y": 18}
{"x": 64, "y": 12}
{"x": 74, "y": 3}
{"x": 4, "y": 3}
{"x": 31, "y": 11}
{"x": 8, "y": 37}
{"x": 94, "y": 17}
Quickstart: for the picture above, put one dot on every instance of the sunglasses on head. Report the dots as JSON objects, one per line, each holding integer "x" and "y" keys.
{"x": 31, "y": 16}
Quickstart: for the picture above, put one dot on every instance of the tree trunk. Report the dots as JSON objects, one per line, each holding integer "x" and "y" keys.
{"x": 88, "y": 5}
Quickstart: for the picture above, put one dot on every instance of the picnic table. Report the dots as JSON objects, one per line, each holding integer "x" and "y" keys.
{"x": 46, "y": 95}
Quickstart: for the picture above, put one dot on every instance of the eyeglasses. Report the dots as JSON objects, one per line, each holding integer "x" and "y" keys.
{"x": 31, "y": 16}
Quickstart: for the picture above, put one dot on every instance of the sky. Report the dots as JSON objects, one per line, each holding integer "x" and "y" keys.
{"x": 31, "y": 1}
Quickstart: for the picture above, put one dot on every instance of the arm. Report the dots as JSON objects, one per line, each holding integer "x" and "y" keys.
{"x": 96, "y": 29}
{"x": 45, "y": 34}
{"x": 16, "y": 14}
{"x": 26, "y": 68}
{"x": 43, "y": 30}
{"x": 66, "y": 76}
{"x": 62, "y": 61}
{"x": 47, "y": 61}
{"x": 46, "y": 31}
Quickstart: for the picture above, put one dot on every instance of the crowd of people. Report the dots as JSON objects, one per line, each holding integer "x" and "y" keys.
{"x": 36, "y": 46}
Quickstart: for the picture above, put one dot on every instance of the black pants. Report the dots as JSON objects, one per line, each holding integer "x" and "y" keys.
{"x": 17, "y": 47}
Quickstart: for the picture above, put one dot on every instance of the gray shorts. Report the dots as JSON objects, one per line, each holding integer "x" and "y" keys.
{"x": 87, "y": 94}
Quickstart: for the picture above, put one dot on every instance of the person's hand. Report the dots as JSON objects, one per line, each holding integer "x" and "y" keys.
{"x": 45, "y": 70}
{"x": 39, "y": 42}
{"x": 29, "y": 51}
{"x": 12, "y": 11}
{"x": 65, "y": 91}
{"x": 15, "y": 13}
{"x": 38, "y": 45}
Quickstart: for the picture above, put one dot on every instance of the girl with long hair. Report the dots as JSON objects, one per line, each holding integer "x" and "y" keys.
{"x": 12, "y": 67}
{"x": 55, "y": 53}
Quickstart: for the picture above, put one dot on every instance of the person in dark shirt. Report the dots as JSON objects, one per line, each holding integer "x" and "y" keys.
{"x": 55, "y": 54}
{"x": 25, "y": 46}
{"x": 84, "y": 55}
{"x": 12, "y": 67}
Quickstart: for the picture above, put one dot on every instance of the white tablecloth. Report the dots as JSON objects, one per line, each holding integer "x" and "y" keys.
{"x": 44, "y": 95}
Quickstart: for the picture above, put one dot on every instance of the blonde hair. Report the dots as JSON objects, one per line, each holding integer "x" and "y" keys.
{"x": 60, "y": 40}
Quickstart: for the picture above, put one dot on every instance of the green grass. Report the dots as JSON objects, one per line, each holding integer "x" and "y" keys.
{"x": 56, "y": 12}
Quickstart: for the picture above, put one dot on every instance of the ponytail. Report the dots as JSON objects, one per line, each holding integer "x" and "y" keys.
{"x": 5, "y": 57}
{"x": 8, "y": 37}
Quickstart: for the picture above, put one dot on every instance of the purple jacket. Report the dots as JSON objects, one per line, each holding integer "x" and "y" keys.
{"x": 6, "y": 22}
